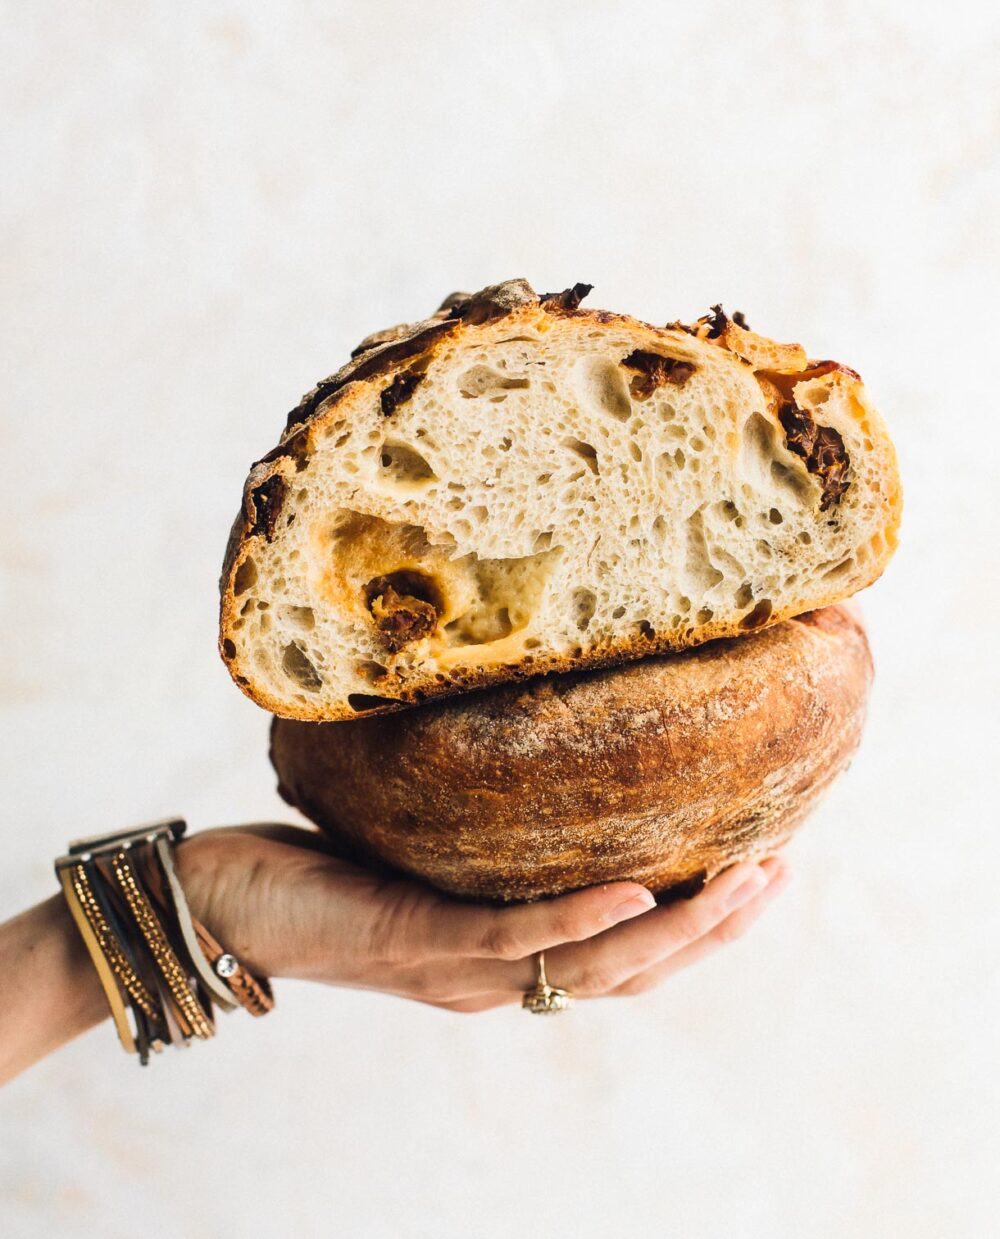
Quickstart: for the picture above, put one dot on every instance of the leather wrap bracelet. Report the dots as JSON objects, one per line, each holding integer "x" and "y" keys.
{"x": 156, "y": 963}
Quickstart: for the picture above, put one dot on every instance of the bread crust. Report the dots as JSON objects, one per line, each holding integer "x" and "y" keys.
{"x": 462, "y": 315}
{"x": 662, "y": 771}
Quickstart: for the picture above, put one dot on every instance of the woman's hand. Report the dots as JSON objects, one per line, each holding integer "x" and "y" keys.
{"x": 286, "y": 908}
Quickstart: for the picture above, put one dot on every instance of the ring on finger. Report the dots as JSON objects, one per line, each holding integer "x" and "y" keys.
{"x": 545, "y": 999}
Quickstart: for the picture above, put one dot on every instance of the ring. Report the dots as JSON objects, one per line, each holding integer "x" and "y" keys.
{"x": 545, "y": 999}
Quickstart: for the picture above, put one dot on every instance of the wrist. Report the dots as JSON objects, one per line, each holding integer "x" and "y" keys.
{"x": 50, "y": 991}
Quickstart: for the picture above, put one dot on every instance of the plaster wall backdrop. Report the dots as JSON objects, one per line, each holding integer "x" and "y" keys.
{"x": 205, "y": 206}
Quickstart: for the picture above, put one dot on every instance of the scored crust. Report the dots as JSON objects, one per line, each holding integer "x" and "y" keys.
{"x": 390, "y": 671}
{"x": 662, "y": 771}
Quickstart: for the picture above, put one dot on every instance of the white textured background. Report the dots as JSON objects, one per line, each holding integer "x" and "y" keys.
{"x": 204, "y": 207}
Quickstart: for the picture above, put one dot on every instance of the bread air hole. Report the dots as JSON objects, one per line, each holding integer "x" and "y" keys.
{"x": 600, "y": 387}
{"x": 758, "y": 616}
{"x": 360, "y": 702}
{"x": 371, "y": 671}
{"x": 402, "y": 465}
{"x": 793, "y": 481}
{"x": 585, "y": 451}
{"x": 762, "y": 445}
{"x": 503, "y": 595}
{"x": 700, "y": 571}
{"x": 245, "y": 578}
{"x": 301, "y": 618}
{"x": 485, "y": 381}
{"x": 837, "y": 571}
{"x": 584, "y": 606}
{"x": 482, "y": 627}
{"x": 296, "y": 665}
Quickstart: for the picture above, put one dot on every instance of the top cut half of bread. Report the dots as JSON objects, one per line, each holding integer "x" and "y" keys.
{"x": 519, "y": 485}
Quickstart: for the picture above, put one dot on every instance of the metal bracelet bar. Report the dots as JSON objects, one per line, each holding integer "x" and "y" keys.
{"x": 172, "y": 828}
{"x": 108, "y": 981}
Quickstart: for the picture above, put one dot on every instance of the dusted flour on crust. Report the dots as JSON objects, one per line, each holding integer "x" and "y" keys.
{"x": 662, "y": 771}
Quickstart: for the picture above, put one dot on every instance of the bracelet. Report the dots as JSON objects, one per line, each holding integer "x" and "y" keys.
{"x": 155, "y": 962}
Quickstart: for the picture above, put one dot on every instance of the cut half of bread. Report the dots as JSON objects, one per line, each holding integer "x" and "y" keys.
{"x": 520, "y": 485}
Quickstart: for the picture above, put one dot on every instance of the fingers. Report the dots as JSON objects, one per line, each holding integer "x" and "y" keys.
{"x": 507, "y": 934}
{"x": 729, "y": 930}
{"x": 731, "y": 927}
{"x": 603, "y": 962}
{"x": 592, "y": 969}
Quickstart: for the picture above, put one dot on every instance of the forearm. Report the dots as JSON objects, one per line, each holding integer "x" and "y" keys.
{"x": 49, "y": 990}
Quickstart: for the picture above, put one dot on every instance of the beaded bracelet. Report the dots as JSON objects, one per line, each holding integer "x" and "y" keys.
{"x": 154, "y": 960}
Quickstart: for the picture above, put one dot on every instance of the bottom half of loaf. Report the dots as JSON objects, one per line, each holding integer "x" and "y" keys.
{"x": 662, "y": 771}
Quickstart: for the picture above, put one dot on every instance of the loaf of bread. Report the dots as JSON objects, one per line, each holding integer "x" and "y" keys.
{"x": 519, "y": 485}
{"x": 662, "y": 771}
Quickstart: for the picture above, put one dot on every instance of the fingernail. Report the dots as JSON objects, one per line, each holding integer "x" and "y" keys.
{"x": 631, "y": 907}
{"x": 746, "y": 890}
{"x": 780, "y": 881}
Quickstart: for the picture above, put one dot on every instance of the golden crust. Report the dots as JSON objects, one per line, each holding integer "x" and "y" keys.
{"x": 462, "y": 315}
{"x": 662, "y": 771}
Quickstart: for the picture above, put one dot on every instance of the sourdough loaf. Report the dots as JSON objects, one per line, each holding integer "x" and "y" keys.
{"x": 520, "y": 485}
{"x": 661, "y": 771}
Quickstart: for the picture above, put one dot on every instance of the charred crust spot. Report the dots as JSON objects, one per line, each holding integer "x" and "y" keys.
{"x": 267, "y": 501}
{"x": 308, "y": 407}
{"x": 296, "y": 448}
{"x": 739, "y": 318}
{"x": 451, "y": 301}
{"x": 494, "y": 301}
{"x": 715, "y": 322}
{"x": 821, "y": 447}
{"x": 816, "y": 369}
{"x": 375, "y": 361}
{"x": 399, "y": 391}
{"x": 655, "y": 371}
{"x": 405, "y": 606}
{"x": 568, "y": 299}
